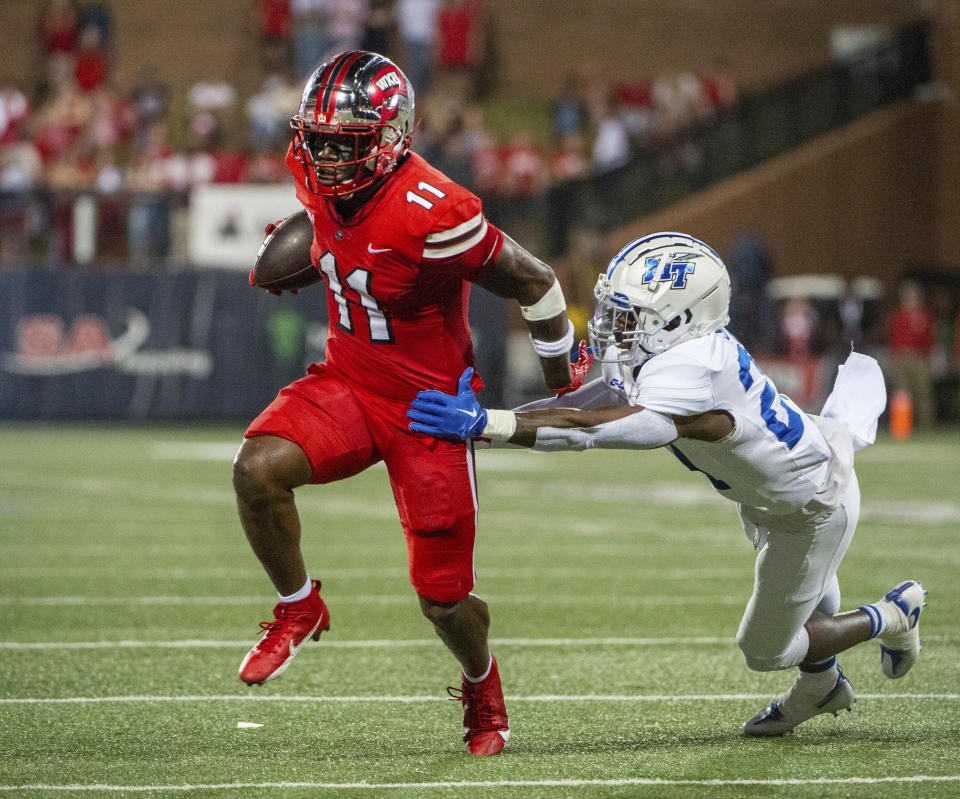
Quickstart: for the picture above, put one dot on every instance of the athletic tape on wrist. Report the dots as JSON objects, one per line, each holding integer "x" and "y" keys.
{"x": 551, "y": 349}
{"x": 548, "y": 306}
{"x": 501, "y": 425}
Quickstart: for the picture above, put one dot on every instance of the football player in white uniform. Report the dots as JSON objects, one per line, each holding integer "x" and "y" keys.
{"x": 674, "y": 377}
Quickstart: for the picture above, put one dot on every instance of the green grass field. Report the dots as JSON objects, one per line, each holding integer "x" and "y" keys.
{"x": 616, "y": 582}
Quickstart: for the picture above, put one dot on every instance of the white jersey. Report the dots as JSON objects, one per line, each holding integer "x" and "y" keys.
{"x": 775, "y": 460}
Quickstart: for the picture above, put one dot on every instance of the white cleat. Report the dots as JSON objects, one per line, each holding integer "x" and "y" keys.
{"x": 794, "y": 708}
{"x": 900, "y": 642}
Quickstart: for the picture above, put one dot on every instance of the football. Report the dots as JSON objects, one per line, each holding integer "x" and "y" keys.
{"x": 283, "y": 261}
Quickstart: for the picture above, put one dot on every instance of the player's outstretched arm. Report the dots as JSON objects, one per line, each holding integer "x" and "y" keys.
{"x": 461, "y": 416}
{"x": 518, "y": 275}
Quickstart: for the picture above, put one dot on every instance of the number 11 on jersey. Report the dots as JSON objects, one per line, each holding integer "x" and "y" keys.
{"x": 360, "y": 281}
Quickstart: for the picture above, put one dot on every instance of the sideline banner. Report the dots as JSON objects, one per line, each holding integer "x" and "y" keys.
{"x": 227, "y": 221}
{"x": 85, "y": 344}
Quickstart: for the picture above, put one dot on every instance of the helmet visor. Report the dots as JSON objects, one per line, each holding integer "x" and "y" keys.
{"x": 618, "y": 330}
{"x": 345, "y": 146}
{"x": 339, "y": 162}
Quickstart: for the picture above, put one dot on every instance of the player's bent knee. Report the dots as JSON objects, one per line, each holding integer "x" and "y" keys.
{"x": 267, "y": 464}
{"x": 755, "y": 663}
{"x": 441, "y": 614}
{"x": 761, "y": 659}
{"x": 251, "y": 472}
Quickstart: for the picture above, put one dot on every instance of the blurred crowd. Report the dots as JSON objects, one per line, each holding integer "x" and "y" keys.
{"x": 140, "y": 146}
{"x": 813, "y": 321}
{"x": 76, "y": 129}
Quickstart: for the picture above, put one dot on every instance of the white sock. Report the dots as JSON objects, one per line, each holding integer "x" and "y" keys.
{"x": 883, "y": 615}
{"x": 303, "y": 593}
{"x": 818, "y": 683}
{"x": 486, "y": 674}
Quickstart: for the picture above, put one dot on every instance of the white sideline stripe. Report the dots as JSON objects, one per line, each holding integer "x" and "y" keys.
{"x": 359, "y": 573}
{"x": 368, "y": 644}
{"x": 94, "y": 700}
{"x": 563, "y": 783}
{"x": 389, "y": 643}
{"x": 368, "y": 599}
{"x": 225, "y": 452}
{"x": 673, "y": 494}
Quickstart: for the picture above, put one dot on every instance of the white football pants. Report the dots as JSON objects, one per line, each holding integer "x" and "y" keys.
{"x": 795, "y": 574}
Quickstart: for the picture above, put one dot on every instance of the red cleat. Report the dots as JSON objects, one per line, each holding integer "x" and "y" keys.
{"x": 293, "y": 624}
{"x": 485, "y": 725}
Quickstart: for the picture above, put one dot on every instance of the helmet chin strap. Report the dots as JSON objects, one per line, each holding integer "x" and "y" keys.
{"x": 643, "y": 356}
{"x": 621, "y": 376}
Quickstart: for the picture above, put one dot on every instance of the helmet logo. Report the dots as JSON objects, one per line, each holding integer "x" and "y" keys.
{"x": 674, "y": 272}
{"x": 391, "y": 79}
{"x": 386, "y": 92}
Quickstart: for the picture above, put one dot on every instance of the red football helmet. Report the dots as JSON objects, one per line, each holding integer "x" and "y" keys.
{"x": 354, "y": 124}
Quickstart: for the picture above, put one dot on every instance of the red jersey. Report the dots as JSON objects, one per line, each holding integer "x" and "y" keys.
{"x": 911, "y": 330}
{"x": 397, "y": 279}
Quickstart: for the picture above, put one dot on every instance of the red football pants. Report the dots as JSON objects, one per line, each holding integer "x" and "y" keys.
{"x": 343, "y": 430}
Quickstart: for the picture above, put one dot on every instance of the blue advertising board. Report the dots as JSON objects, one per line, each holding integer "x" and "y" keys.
{"x": 88, "y": 344}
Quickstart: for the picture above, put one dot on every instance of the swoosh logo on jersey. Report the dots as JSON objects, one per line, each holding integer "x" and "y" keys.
{"x": 471, "y": 413}
{"x": 374, "y": 250}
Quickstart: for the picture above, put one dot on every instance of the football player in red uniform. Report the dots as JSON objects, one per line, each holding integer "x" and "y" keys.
{"x": 398, "y": 244}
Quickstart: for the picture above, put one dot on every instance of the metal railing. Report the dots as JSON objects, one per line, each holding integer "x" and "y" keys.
{"x": 147, "y": 231}
{"x": 755, "y": 129}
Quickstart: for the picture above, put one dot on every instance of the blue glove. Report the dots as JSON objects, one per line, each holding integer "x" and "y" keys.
{"x": 447, "y": 415}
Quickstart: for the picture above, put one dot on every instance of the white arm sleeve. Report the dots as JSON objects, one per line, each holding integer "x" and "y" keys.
{"x": 594, "y": 394}
{"x": 644, "y": 429}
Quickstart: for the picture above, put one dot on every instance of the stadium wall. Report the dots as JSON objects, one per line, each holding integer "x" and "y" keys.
{"x": 879, "y": 197}
{"x": 946, "y": 53}
{"x": 190, "y": 40}
{"x": 855, "y": 202}
{"x": 763, "y": 42}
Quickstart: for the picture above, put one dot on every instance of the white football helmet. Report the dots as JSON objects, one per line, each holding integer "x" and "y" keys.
{"x": 659, "y": 291}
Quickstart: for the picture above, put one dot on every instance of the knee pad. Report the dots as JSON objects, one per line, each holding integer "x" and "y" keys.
{"x": 439, "y": 523}
{"x": 760, "y": 657}
{"x": 830, "y": 601}
{"x": 426, "y": 505}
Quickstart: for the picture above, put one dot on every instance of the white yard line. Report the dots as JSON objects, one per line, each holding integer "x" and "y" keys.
{"x": 393, "y": 643}
{"x": 419, "y": 786}
{"x": 653, "y": 570}
{"x": 552, "y": 698}
{"x": 362, "y": 644}
{"x": 369, "y": 599}
{"x": 225, "y": 452}
{"x": 670, "y": 493}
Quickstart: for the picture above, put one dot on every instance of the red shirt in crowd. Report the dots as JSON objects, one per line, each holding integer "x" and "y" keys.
{"x": 457, "y": 30}
{"x": 275, "y": 18}
{"x": 911, "y": 330}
